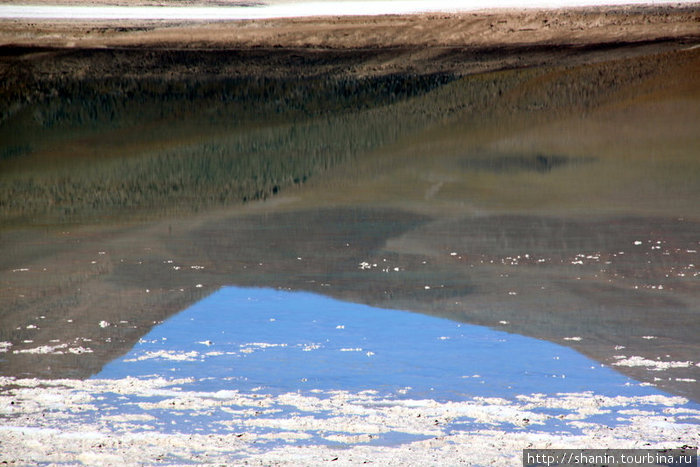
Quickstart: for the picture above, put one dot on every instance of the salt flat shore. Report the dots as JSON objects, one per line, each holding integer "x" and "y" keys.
{"x": 495, "y": 28}
{"x": 69, "y": 421}
{"x": 457, "y": 43}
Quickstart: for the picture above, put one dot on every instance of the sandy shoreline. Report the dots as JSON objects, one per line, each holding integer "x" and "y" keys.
{"x": 193, "y": 10}
{"x": 456, "y": 44}
{"x": 485, "y": 29}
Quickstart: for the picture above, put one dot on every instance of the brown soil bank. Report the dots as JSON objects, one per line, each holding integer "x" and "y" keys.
{"x": 566, "y": 136}
{"x": 486, "y": 29}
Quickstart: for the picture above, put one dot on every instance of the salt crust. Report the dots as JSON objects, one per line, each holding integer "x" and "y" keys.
{"x": 63, "y": 421}
{"x": 655, "y": 365}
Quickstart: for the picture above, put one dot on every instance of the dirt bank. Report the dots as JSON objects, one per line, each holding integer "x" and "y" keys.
{"x": 493, "y": 29}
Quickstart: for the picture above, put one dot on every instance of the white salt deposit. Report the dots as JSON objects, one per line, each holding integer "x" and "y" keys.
{"x": 168, "y": 355}
{"x": 288, "y": 9}
{"x": 59, "y": 349}
{"x": 70, "y": 421}
{"x": 656, "y": 365}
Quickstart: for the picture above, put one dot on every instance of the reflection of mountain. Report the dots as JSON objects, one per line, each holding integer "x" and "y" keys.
{"x": 484, "y": 198}
{"x": 522, "y": 270}
{"x": 548, "y": 278}
{"x": 182, "y": 144}
{"x": 234, "y": 127}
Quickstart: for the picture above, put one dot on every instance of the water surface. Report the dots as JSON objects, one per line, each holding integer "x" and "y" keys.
{"x": 286, "y": 341}
{"x": 271, "y": 342}
{"x": 555, "y": 202}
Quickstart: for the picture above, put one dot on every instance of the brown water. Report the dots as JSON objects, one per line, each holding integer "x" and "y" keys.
{"x": 530, "y": 201}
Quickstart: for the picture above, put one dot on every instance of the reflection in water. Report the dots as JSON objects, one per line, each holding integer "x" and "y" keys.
{"x": 542, "y": 201}
{"x": 285, "y": 341}
{"x": 263, "y": 341}
{"x": 510, "y": 163}
{"x": 127, "y": 146}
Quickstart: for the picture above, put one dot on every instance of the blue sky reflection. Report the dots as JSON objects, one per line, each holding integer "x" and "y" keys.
{"x": 282, "y": 341}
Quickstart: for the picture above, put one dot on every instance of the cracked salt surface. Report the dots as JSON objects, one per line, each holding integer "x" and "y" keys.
{"x": 300, "y": 378}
